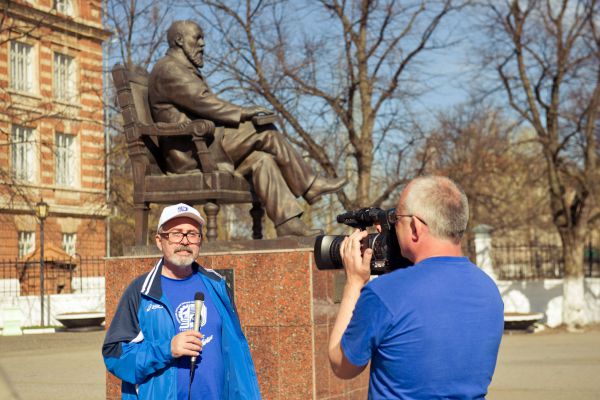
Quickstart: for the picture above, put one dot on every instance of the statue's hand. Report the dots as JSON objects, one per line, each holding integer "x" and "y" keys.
{"x": 249, "y": 112}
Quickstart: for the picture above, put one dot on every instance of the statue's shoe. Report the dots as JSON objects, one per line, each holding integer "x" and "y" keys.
{"x": 296, "y": 227}
{"x": 323, "y": 186}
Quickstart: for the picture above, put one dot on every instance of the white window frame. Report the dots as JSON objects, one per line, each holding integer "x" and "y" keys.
{"x": 69, "y": 243}
{"x": 22, "y": 66}
{"x": 24, "y": 159}
{"x": 26, "y": 243}
{"x": 66, "y": 160}
{"x": 65, "y": 7}
{"x": 65, "y": 77}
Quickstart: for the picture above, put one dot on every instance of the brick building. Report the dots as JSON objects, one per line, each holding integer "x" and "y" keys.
{"x": 52, "y": 135}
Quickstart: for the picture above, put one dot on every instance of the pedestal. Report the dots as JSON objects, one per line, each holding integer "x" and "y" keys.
{"x": 286, "y": 308}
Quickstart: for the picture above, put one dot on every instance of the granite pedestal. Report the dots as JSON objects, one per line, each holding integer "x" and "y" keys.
{"x": 286, "y": 306}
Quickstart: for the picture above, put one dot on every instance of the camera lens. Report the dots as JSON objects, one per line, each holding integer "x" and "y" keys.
{"x": 386, "y": 252}
{"x": 327, "y": 251}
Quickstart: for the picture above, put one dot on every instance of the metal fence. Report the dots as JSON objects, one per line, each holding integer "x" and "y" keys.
{"x": 538, "y": 261}
{"x": 74, "y": 275}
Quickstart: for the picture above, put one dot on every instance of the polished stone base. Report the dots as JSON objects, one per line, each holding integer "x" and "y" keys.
{"x": 288, "y": 242}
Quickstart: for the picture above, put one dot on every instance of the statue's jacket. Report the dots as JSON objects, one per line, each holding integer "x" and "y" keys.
{"x": 137, "y": 347}
{"x": 178, "y": 93}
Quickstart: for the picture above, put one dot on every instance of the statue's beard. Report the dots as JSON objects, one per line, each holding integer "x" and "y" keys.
{"x": 195, "y": 56}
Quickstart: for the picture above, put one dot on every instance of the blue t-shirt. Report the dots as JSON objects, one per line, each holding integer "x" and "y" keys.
{"x": 431, "y": 331}
{"x": 209, "y": 373}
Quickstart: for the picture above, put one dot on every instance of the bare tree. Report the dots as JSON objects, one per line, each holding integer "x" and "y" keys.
{"x": 20, "y": 23}
{"x": 496, "y": 163}
{"x": 14, "y": 29}
{"x": 138, "y": 28}
{"x": 339, "y": 73}
{"x": 547, "y": 55}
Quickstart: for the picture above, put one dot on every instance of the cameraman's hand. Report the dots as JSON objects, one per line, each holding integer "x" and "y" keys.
{"x": 358, "y": 272}
{"x": 357, "y": 266}
{"x": 249, "y": 112}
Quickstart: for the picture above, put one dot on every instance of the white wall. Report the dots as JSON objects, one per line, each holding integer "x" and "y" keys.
{"x": 538, "y": 296}
{"x": 546, "y": 296}
{"x": 91, "y": 300}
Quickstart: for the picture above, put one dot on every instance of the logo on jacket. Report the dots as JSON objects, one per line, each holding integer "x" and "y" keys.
{"x": 153, "y": 307}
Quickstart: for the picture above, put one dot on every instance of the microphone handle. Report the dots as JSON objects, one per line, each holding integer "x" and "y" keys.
{"x": 198, "y": 304}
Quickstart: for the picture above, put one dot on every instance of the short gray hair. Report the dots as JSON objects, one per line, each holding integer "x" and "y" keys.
{"x": 440, "y": 203}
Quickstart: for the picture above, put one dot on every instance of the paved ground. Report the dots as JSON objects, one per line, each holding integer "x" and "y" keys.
{"x": 58, "y": 366}
{"x": 551, "y": 365}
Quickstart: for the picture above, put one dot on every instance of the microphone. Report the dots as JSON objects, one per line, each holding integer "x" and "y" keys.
{"x": 198, "y": 304}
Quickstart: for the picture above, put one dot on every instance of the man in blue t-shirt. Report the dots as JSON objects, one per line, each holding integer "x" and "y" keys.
{"x": 432, "y": 330}
{"x": 208, "y": 374}
{"x": 151, "y": 338}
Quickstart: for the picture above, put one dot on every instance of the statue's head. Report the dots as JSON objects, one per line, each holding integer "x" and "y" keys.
{"x": 189, "y": 37}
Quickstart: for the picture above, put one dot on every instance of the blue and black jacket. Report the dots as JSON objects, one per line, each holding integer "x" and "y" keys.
{"x": 137, "y": 347}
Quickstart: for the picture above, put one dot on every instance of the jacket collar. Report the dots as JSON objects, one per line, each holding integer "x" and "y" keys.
{"x": 180, "y": 58}
{"x": 152, "y": 285}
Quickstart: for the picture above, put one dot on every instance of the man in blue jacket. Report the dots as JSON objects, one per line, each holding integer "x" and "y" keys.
{"x": 151, "y": 339}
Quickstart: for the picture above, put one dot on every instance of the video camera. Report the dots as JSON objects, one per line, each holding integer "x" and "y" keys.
{"x": 386, "y": 252}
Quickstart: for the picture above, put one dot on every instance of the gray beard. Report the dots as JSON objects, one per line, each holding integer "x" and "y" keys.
{"x": 196, "y": 60}
{"x": 180, "y": 260}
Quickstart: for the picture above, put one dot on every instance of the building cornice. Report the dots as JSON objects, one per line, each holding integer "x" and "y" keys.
{"x": 57, "y": 22}
{"x": 54, "y": 188}
{"x": 58, "y": 210}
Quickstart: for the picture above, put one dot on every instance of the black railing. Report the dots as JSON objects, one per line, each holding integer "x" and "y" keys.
{"x": 74, "y": 275}
{"x": 591, "y": 258}
{"x": 538, "y": 261}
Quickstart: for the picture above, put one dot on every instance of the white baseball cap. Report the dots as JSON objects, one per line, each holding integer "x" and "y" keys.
{"x": 179, "y": 210}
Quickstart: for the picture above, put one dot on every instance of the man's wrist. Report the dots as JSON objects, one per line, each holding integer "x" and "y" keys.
{"x": 354, "y": 285}
{"x": 357, "y": 278}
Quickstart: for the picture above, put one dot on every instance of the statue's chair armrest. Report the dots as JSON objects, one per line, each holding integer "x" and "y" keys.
{"x": 198, "y": 129}
{"x": 201, "y": 131}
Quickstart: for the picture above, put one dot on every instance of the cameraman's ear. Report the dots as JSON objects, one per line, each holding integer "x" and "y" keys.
{"x": 414, "y": 231}
{"x": 378, "y": 227}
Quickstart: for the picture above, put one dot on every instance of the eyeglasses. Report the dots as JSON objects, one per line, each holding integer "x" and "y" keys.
{"x": 394, "y": 218}
{"x": 177, "y": 237}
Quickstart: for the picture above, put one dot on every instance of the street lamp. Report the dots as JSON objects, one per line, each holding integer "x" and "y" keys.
{"x": 41, "y": 212}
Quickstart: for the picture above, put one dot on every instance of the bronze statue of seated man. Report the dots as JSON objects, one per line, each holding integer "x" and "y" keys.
{"x": 178, "y": 93}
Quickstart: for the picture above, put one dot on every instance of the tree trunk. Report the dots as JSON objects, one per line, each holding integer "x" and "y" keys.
{"x": 573, "y": 313}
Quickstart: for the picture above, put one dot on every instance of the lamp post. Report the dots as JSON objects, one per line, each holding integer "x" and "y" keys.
{"x": 41, "y": 212}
